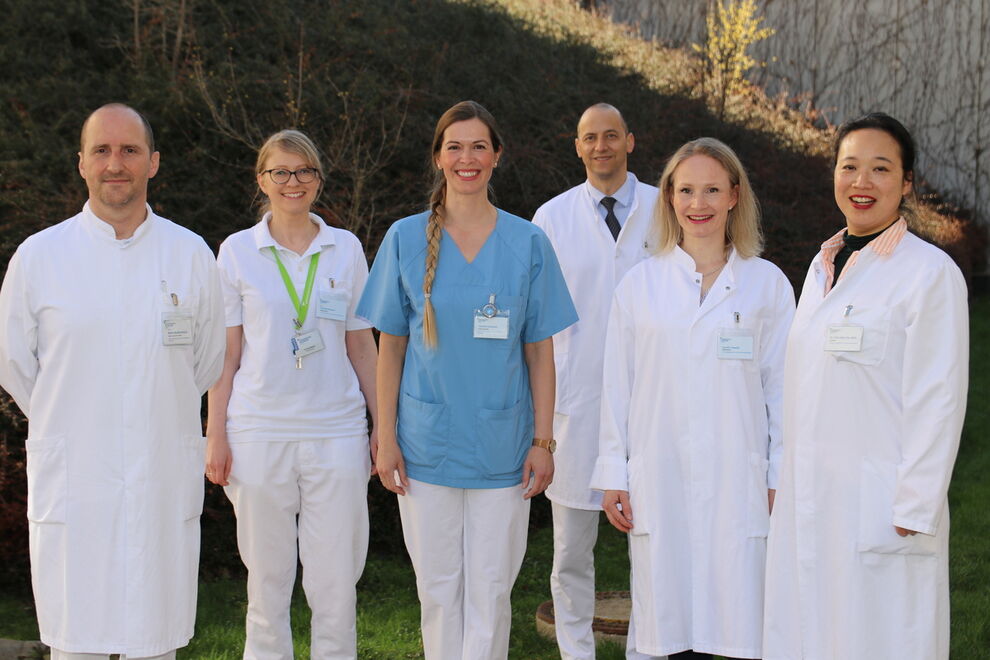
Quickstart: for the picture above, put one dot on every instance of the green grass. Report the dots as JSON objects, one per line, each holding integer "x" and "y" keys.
{"x": 388, "y": 612}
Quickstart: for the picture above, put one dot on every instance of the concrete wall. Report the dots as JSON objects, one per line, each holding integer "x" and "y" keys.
{"x": 924, "y": 61}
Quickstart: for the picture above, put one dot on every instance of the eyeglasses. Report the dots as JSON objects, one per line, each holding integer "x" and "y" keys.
{"x": 303, "y": 175}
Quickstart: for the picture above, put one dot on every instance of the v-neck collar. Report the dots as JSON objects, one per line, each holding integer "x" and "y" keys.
{"x": 484, "y": 246}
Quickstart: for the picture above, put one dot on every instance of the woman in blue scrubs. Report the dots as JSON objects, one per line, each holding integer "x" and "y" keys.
{"x": 466, "y": 297}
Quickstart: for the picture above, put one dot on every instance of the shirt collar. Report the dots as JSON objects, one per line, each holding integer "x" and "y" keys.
{"x": 882, "y": 245}
{"x": 263, "y": 238}
{"x": 105, "y": 230}
{"x": 623, "y": 196}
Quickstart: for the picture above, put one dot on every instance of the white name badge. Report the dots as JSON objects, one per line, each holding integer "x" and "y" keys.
{"x": 332, "y": 305}
{"x": 844, "y": 337}
{"x": 491, "y": 327}
{"x": 306, "y": 343}
{"x": 177, "y": 328}
{"x": 734, "y": 344}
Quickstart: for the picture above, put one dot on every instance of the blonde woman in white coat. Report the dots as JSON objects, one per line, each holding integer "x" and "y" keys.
{"x": 690, "y": 439}
{"x": 876, "y": 381}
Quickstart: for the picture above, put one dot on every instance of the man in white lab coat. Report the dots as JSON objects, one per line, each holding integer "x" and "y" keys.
{"x": 600, "y": 229}
{"x": 111, "y": 328}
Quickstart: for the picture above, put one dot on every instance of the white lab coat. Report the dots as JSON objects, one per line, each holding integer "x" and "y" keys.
{"x": 115, "y": 450}
{"x": 695, "y": 439}
{"x": 870, "y": 438}
{"x": 593, "y": 263}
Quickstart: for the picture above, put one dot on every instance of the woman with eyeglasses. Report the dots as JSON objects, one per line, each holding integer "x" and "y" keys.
{"x": 287, "y": 434}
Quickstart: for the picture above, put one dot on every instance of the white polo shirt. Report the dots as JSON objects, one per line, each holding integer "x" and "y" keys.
{"x": 272, "y": 400}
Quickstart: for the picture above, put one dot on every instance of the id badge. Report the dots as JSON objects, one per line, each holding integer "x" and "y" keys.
{"x": 306, "y": 343}
{"x": 491, "y": 327}
{"x": 734, "y": 344}
{"x": 332, "y": 304}
{"x": 844, "y": 337}
{"x": 177, "y": 328}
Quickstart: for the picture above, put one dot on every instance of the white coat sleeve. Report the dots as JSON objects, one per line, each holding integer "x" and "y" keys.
{"x": 210, "y": 335}
{"x": 611, "y": 471}
{"x": 773, "y": 346}
{"x": 933, "y": 395}
{"x": 18, "y": 336}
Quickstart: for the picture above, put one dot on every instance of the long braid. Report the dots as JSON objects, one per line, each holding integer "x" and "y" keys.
{"x": 434, "y": 232}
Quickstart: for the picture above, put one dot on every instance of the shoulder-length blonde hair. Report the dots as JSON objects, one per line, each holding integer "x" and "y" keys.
{"x": 295, "y": 142}
{"x": 462, "y": 111}
{"x": 742, "y": 229}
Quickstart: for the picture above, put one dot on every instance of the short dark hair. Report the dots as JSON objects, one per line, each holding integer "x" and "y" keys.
{"x": 149, "y": 134}
{"x": 880, "y": 121}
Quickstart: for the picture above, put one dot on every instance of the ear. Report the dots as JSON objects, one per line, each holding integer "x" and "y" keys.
{"x": 82, "y": 171}
{"x": 630, "y": 143}
{"x": 735, "y": 196}
{"x": 155, "y": 158}
{"x": 908, "y": 184}
{"x": 577, "y": 147}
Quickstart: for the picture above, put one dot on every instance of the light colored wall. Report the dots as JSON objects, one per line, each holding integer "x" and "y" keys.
{"x": 923, "y": 61}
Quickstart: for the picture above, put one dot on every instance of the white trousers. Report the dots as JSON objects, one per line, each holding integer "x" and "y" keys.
{"x": 466, "y": 546}
{"x": 323, "y": 483}
{"x": 65, "y": 655}
{"x": 572, "y": 584}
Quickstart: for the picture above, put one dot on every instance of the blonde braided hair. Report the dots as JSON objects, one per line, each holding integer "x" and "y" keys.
{"x": 462, "y": 111}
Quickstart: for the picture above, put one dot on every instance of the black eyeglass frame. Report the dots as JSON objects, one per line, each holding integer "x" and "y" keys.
{"x": 292, "y": 173}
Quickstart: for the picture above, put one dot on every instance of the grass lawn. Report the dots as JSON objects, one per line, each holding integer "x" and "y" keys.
{"x": 388, "y": 623}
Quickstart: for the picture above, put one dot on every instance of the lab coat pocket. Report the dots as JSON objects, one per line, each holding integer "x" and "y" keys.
{"x": 48, "y": 479}
{"x": 423, "y": 429}
{"x": 503, "y": 439}
{"x": 877, "y": 484}
{"x": 194, "y": 450}
{"x": 758, "y": 512}
{"x": 876, "y": 328}
{"x": 639, "y": 500}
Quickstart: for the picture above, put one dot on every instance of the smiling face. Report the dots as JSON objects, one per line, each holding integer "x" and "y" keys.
{"x": 291, "y": 197}
{"x": 869, "y": 180}
{"x": 702, "y": 196}
{"x": 116, "y": 162}
{"x": 466, "y": 157}
{"x": 603, "y": 145}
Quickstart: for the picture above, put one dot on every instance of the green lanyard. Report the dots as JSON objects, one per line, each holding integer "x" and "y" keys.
{"x": 302, "y": 308}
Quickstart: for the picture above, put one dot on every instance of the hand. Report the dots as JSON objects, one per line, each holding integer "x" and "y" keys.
{"x": 218, "y": 459}
{"x": 617, "y": 509}
{"x": 373, "y": 445}
{"x": 771, "y": 494}
{"x": 388, "y": 461}
{"x": 539, "y": 464}
{"x": 904, "y": 532}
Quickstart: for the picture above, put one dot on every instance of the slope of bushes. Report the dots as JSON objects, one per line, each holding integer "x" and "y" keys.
{"x": 367, "y": 80}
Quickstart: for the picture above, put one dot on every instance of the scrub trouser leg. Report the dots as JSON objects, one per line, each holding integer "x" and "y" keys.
{"x": 65, "y": 655}
{"x": 466, "y": 546}
{"x": 270, "y": 484}
{"x": 572, "y": 580}
{"x": 333, "y": 542}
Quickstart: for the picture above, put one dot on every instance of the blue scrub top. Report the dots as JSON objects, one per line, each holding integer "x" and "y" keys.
{"x": 465, "y": 411}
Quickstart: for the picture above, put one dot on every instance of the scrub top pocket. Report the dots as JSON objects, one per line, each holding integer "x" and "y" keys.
{"x": 423, "y": 429}
{"x": 504, "y": 438}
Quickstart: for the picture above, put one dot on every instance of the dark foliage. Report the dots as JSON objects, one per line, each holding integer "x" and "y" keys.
{"x": 366, "y": 79}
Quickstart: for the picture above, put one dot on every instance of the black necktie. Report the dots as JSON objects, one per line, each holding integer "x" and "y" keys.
{"x": 610, "y": 219}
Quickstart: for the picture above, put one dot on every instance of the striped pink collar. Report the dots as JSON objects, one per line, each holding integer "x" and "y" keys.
{"x": 882, "y": 245}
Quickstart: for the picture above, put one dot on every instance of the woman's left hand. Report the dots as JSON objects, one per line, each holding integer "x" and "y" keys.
{"x": 373, "y": 445}
{"x": 539, "y": 464}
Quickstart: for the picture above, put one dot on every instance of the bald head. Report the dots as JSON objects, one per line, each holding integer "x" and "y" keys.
{"x": 603, "y": 144}
{"x": 148, "y": 133}
{"x": 604, "y": 108}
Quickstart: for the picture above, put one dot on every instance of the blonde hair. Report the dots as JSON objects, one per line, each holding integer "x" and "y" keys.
{"x": 462, "y": 111}
{"x": 742, "y": 228}
{"x": 294, "y": 142}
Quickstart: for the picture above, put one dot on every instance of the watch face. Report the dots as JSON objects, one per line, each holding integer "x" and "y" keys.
{"x": 553, "y": 446}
